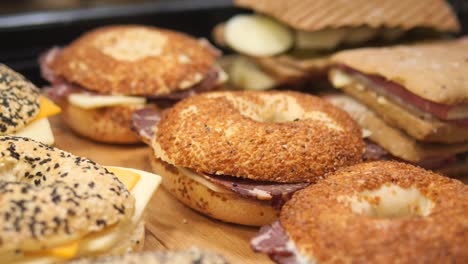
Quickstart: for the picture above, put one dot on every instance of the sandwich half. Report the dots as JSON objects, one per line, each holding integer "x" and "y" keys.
{"x": 420, "y": 89}
{"x": 106, "y": 74}
{"x": 384, "y": 142}
{"x": 290, "y": 41}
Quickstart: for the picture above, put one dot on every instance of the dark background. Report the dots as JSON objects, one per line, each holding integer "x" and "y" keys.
{"x": 27, "y": 28}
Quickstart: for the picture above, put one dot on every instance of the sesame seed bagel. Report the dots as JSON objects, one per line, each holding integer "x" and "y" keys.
{"x": 134, "y": 60}
{"x": 19, "y": 101}
{"x": 51, "y": 197}
{"x": 267, "y": 136}
{"x": 225, "y": 206}
{"x": 106, "y": 124}
{"x": 380, "y": 212}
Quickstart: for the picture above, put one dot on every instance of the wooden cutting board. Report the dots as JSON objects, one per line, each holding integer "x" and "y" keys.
{"x": 169, "y": 224}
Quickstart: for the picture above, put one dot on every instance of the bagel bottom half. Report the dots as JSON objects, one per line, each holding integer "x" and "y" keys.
{"x": 222, "y": 205}
{"x": 106, "y": 124}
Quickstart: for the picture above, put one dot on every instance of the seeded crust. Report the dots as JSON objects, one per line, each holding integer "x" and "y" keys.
{"x": 107, "y": 124}
{"x": 134, "y": 60}
{"x": 329, "y": 232}
{"x": 51, "y": 197}
{"x": 192, "y": 256}
{"x": 228, "y": 207}
{"x": 19, "y": 101}
{"x": 434, "y": 71}
{"x": 238, "y": 134}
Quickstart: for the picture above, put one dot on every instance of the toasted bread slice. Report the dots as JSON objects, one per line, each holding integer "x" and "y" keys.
{"x": 313, "y": 15}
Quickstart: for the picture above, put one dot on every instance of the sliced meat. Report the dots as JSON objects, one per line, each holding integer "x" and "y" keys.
{"x": 276, "y": 193}
{"x": 273, "y": 241}
{"x": 403, "y": 96}
{"x": 144, "y": 121}
{"x": 47, "y": 58}
{"x": 60, "y": 91}
{"x": 375, "y": 152}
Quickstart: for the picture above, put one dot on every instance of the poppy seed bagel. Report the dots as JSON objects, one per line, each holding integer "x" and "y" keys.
{"x": 51, "y": 197}
{"x": 19, "y": 101}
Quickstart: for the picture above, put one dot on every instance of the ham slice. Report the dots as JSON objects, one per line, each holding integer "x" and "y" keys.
{"x": 273, "y": 241}
{"x": 276, "y": 193}
{"x": 144, "y": 121}
{"x": 403, "y": 96}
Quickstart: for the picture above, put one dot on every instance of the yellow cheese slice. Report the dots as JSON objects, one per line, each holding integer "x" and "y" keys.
{"x": 47, "y": 108}
{"x": 67, "y": 251}
{"x": 127, "y": 177}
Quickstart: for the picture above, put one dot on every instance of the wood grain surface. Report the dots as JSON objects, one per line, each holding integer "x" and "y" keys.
{"x": 169, "y": 224}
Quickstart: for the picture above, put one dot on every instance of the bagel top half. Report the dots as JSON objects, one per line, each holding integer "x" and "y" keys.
{"x": 134, "y": 60}
{"x": 380, "y": 212}
{"x": 19, "y": 101}
{"x": 50, "y": 197}
{"x": 265, "y": 136}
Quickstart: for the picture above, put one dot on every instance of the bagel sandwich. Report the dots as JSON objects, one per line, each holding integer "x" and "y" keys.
{"x": 289, "y": 42}
{"x": 374, "y": 212}
{"x": 24, "y": 110}
{"x": 420, "y": 89}
{"x": 384, "y": 142}
{"x": 57, "y": 206}
{"x": 191, "y": 256}
{"x": 106, "y": 74}
{"x": 238, "y": 156}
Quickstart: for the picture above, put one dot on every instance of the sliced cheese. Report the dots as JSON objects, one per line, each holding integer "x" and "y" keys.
{"x": 340, "y": 79}
{"x": 39, "y": 130}
{"x": 129, "y": 178}
{"x": 92, "y": 101}
{"x": 142, "y": 185}
{"x": 257, "y": 35}
{"x": 202, "y": 180}
{"x": 47, "y": 108}
{"x": 67, "y": 251}
{"x": 248, "y": 76}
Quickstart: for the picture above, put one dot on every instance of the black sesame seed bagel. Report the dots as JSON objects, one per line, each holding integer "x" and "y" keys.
{"x": 380, "y": 212}
{"x": 50, "y": 197}
{"x": 19, "y": 101}
{"x": 266, "y": 136}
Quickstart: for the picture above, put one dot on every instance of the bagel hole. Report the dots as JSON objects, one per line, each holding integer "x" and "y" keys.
{"x": 390, "y": 201}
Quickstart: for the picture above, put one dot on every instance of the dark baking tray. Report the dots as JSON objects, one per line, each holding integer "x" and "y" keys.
{"x": 24, "y": 35}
